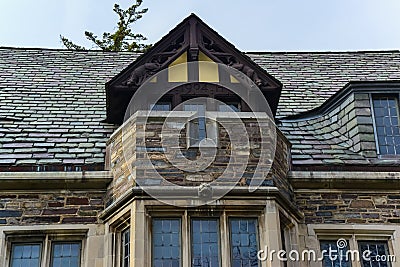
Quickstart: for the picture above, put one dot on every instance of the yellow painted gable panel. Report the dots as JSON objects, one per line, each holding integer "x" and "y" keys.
{"x": 208, "y": 69}
{"x": 178, "y": 70}
{"x": 234, "y": 80}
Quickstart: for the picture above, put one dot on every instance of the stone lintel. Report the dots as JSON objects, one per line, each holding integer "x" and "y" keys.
{"x": 237, "y": 194}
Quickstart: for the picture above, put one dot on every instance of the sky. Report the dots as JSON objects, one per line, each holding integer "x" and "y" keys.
{"x": 252, "y": 25}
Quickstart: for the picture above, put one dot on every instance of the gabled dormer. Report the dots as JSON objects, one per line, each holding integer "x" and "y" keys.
{"x": 191, "y": 41}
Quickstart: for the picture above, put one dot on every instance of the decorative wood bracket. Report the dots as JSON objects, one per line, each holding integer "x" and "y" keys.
{"x": 192, "y": 35}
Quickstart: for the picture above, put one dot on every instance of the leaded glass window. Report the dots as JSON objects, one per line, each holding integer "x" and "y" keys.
{"x": 386, "y": 114}
{"x": 166, "y": 242}
{"x": 125, "y": 247}
{"x": 334, "y": 256}
{"x": 378, "y": 254}
{"x": 205, "y": 248}
{"x": 197, "y": 127}
{"x": 25, "y": 255}
{"x": 161, "y": 106}
{"x": 66, "y": 254}
{"x": 229, "y": 107}
{"x": 244, "y": 243}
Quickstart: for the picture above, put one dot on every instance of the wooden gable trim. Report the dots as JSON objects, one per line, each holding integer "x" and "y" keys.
{"x": 192, "y": 35}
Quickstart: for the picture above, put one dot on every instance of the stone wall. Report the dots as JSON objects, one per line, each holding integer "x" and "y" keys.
{"x": 63, "y": 207}
{"x": 127, "y": 147}
{"x": 349, "y": 207}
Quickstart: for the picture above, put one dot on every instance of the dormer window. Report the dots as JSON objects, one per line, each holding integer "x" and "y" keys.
{"x": 161, "y": 106}
{"x": 386, "y": 119}
{"x": 197, "y": 129}
{"x": 229, "y": 107}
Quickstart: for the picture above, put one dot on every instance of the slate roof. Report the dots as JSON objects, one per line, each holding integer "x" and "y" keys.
{"x": 311, "y": 78}
{"x": 52, "y": 102}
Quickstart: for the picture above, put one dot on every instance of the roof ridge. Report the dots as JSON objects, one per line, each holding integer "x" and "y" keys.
{"x": 246, "y": 52}
{"x": 64, "y": 50}
{"x": 323, "y": 52}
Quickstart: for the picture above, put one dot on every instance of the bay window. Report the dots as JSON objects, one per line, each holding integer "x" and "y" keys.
{"x": 200, "y": 239}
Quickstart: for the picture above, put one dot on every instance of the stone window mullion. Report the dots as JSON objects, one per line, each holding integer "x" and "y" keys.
{"x": 225, "y": 241}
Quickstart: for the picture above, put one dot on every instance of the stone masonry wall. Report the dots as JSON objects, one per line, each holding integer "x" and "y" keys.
{"x": 349, "y": 208}
{"x": 50, "y": 208}
{"x": 132, "y": 146}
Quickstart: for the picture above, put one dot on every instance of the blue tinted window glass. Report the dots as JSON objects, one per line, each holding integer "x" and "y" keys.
{"x": 125, "y": 247}
{"x": 25, "y": 255}
{"x": 230, "y": 107}
{"x": 66, "y": 254}
{"x": 386, "y": 114}
{"x": 378, "y": 254}
{"x": 244, "y": 242}
{"x": 338, "y": 258}
{"x": 198, "y": 126}
{"x": 166, "y": 242}
{"x": 161, "y": 106}
{"x": 205, "y": 248}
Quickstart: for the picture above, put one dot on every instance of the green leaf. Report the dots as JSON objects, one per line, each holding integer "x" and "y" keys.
{"x": 123, "y": 39}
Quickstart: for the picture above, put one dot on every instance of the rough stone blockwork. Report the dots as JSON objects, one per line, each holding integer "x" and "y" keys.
{"x": 361, "y": 208}
{"x": 130, "y": 149}
{"x": 46, "y": 208}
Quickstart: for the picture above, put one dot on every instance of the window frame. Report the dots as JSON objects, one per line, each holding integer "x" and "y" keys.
{"x": 46, "y": 239}
{"x": 237, "y": 105}
{"x": 354, "y": 234}
{"x": 161, "y": 103}
{"x": 53, "y": 243}
{"x": 371, "y": 100}
{"x": 330, "y": 238}
{"x": 211, "y": 129}
{"x": 180, "y": 238}
{"x": 40, "y": 243}
{"x": 229, "y": 220}
{"x": 190, "y": 230}
{"x": 121, "y": 246}
{"x": 385, "y": 243}
{"x": 121, "y": 224}
{"x": 224, "y": 239}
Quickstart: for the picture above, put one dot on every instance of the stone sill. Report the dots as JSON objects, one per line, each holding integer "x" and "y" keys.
{"x": 55, "y": 180}
{"x": 344, "y": 180}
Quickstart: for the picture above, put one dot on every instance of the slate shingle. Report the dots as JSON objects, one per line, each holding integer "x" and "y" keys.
{"x": 52, "y": 102}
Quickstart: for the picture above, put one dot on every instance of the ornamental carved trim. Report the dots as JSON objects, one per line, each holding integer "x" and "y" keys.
{"x": 215, "y": 49}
